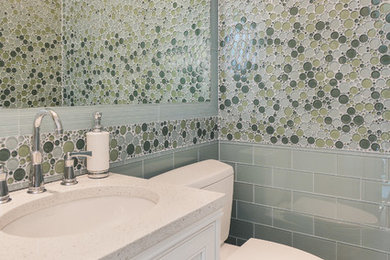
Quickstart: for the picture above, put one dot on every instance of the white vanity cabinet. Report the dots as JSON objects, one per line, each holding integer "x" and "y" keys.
{"x": 200, "y": 241}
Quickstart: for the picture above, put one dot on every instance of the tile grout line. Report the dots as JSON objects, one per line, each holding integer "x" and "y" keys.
{"x": 253, "y": 194}
{"x": 173, "y": 160}
{"x": 253, "y": 154}
{"x": 143, "y": 168}
{"x": 313, "y": 182}
{"x": 236, "y": 209}
{"x": 315, "y": 173}
{"x": 388, "y": 172}
{"x": 313, "y": 223}
{"x": 313, "y": 193}
{"x": 235, "y": 169}
{"x": 292, "y": 201}
{"x": 219, "y": 150}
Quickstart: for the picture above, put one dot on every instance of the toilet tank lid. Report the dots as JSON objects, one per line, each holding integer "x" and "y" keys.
{"x": 197, "y": 175}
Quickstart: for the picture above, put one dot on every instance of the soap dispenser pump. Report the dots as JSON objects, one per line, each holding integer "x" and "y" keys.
{"x": 4, "y": 194}
{"x": 98, "y": 143}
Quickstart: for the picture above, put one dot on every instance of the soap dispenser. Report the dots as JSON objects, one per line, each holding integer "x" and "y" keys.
{"x": 4, "y": 194}
{"x": 98, "y": 143}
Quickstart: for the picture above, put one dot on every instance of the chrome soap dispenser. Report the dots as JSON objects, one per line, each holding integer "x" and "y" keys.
{"x": 4, "y": 194}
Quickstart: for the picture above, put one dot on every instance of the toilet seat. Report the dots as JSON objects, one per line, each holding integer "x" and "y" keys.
{"x": 257, "y": 249}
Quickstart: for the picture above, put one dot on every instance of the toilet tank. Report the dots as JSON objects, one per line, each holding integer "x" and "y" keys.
{"x": 209, "y": 175}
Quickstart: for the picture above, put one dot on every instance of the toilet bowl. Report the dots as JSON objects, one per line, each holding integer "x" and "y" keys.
{"x": 216, "y": 176}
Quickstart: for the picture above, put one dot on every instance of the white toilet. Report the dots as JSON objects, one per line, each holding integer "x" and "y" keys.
{"x": 216, "y": 176}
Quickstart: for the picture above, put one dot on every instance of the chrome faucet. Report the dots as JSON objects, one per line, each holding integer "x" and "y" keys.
{"x": 4, "y": 194}
{"x": 69, "y": 176}
{"x": 36, "y": 175}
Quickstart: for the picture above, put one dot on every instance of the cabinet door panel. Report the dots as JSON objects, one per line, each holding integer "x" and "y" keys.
{"x": 201, "y": 246}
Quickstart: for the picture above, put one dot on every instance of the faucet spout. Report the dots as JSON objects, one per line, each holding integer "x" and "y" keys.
{"x": 36, "y": 175}
{"x": 37, "y": 125}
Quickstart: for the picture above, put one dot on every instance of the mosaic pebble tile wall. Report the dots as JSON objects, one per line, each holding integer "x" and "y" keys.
{"x": 30, "y": 53}
{"x": 106, "y": 52}
{"x": 126, "y": 142}
{"x": 121, "y": 52}
{"x": 305, "y": 73}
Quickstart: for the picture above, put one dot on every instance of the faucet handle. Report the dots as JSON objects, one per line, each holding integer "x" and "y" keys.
{"x": 4, "y": 194}
{"x": 3, "y": 174}
{"x": 79, "y": 154}
{"x": 69, "y": 176}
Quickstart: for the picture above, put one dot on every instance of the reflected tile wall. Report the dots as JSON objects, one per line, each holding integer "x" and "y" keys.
{"x": 72, "y": 52}
{"x": 136, "y": 52}
{"x": 30, "y": 53}
{"x": 309, "y": 206}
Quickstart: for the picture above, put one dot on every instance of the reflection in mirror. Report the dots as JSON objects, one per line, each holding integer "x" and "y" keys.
{"x": 106, "y": 52}
{"x": 30, "y": 53}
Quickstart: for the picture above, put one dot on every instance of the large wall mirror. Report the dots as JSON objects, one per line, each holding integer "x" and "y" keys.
{"x": 103, "y": 52}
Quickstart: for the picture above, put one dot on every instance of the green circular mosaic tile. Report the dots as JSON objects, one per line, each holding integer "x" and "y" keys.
{"x": 4, "y": 154}
{"x": 19, "y": 174}
{"x": 68, "y": 147}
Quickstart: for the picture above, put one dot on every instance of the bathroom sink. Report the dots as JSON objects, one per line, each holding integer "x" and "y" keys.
{"x": 80, "y": 211}
{"x": 118, "y": 217}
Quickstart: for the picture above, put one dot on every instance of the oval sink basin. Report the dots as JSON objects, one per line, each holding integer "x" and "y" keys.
{"x": 80, "y": 214}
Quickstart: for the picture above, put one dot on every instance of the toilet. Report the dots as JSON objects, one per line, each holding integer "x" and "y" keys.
{"x": 216, "y": 176}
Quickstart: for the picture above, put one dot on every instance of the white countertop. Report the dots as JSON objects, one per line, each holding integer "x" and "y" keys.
{"x": 177, "y": 207}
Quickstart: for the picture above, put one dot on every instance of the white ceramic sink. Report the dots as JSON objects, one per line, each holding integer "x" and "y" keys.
{"x": 79, "y": 216}
{"x": 88, "y": 210}
{"x": 118, "y": 217}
